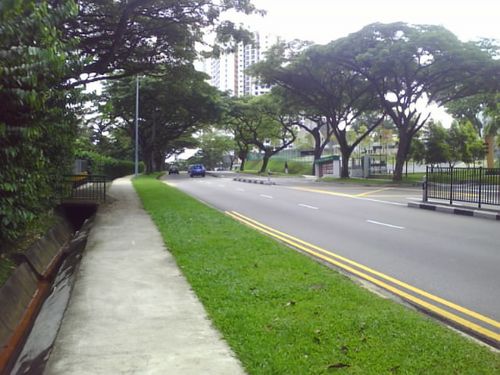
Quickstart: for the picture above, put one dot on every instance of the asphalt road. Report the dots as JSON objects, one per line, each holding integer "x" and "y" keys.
{"x": 443, "y": 263}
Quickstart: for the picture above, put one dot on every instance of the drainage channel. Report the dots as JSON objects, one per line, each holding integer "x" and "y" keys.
{"x": 33, "y": 355}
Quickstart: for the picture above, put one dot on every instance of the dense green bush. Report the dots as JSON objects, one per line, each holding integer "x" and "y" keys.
{"x": 37, "y": 120}
{"x": 108, "y": 166}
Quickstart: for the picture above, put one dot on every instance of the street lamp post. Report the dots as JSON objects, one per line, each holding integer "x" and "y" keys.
{"x": 136, "y": 170}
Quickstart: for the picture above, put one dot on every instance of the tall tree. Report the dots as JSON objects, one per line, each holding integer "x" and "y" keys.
{"x": 173, "y": 105}
{"x": 261, "y": 122}
{"x": 214, "y": 146}
{"x": 482, "y": 112}
{"x": 411, "y": 66}
{"x": 335, "y": 94}
{"x": 235, "y": 117}
{"x": 492, "y": 130}
{"x": 320, "y": 130}
{"x": 459, "y": 143}
{"x": 437, "y": 148}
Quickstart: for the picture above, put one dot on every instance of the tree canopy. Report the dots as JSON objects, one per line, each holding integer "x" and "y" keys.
{"x": 50, "y": 48}
{"x": 325, "y": 91}
{"x": 122, "y": 38}
{"x": 261, "y": 122}
{"x": 173, "y": 105}
{"x": 411, "y": 66}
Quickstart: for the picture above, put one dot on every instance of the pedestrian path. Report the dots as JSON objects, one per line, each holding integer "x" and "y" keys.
{"x": 132, "y": 311}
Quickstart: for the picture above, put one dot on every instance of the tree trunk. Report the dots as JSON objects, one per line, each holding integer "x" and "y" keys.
{"x": 403, "y": 148}
{"x": 149, "y": 165}
{"x": 146, "y": 157}
{"x": 318, "y": 150}
{"x": 159, "y": 160}
{"x": 490, "y": 156}
{"x": 265, "y": 161}
{"x": 344, "y": 167}
{"x": 242, "y": 155}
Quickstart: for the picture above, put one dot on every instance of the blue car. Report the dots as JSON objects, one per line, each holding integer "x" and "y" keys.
{"x": 197, "y": 170}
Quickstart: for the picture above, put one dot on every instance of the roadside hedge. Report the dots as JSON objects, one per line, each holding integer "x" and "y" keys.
{"x": 38, "y": 117}
{"x": 108, "y": 166}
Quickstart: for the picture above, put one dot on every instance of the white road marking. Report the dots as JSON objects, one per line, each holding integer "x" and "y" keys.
{"x": 266, "y": 196}
{"x": 379, "y": 201}
{"x": 307, "y": 206}
{"x": 413, "y": 198}
{"x": 220, "y": 185}
{"x": 240, "y": 189}
{"x": 384, "y": 224}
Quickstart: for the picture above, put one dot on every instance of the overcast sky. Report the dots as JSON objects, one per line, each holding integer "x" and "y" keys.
{"x": 322, "y": 21}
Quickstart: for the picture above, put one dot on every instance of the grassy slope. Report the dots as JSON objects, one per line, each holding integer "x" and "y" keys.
{"x": 278, "y": 166}
{"x": 283, "y": 313}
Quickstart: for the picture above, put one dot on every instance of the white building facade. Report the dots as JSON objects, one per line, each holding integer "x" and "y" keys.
{"x": 227, "y": 72}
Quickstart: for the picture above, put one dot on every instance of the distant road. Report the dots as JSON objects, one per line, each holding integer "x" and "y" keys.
{"x": 444, "y": 263}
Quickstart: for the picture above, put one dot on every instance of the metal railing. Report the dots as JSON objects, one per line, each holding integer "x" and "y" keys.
{"x": 472, "y": 185}
{"x": 83, "y": 187}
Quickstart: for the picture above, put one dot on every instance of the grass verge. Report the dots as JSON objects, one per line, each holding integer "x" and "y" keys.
{"x": 278, "y": 167}
{"x": 283, "y": 313}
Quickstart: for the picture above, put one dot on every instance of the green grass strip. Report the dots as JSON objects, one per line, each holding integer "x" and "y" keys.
{"x": 283, "y": 313}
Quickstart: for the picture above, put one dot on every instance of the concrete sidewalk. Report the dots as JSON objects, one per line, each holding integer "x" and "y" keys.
{"x": 132, "y": 311}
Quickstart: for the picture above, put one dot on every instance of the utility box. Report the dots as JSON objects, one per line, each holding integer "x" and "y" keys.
{"x": 328, "y": 166}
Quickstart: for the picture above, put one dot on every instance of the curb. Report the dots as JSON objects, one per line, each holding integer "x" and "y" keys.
{"x": 254, "y": 181}
{"x": 24, "y": 292}
{"x": 455, "y": 210}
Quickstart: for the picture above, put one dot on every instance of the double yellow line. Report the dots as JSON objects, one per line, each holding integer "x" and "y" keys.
{"x": 389, "y": 283}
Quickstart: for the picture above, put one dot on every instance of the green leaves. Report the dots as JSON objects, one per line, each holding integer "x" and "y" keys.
{"x": 36, "y": 123}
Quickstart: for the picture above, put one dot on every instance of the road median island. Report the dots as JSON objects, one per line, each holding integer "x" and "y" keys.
{"x": 284, "y": 313}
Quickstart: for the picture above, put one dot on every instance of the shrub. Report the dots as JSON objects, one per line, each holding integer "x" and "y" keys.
{"x": 108, "y": 166}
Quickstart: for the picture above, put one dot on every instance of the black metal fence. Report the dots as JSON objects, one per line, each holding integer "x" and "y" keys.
{"x": 83, "y": 187}
{"x": 473, "y": 185}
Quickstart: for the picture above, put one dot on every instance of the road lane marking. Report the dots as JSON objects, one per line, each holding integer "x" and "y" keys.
{"x": 220, "y": 185}
{"x": 352, "y": 196}
{"x": 266, "y": 196}
{"x": 307, "y": 206}
{"x": 337, "y": 259}
{"x": 384, "y": 224}
{"x": 240, "y": 189}
{"x": 372, "y": 192}
{"x": 324, "y": 192}
{"x": 380, "y": 201}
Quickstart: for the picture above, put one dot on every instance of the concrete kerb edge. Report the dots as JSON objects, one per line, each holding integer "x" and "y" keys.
{"x": 254, "y": 181}
{"x": 455, "y": 210}
{"x": 34, "y": 285}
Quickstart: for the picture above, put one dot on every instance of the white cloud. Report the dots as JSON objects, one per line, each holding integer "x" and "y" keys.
{"x": 324, "y": 20}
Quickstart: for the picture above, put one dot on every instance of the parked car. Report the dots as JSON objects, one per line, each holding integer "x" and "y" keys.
{"x": 173, "y": 170}
{"x": 197, "y": 170}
